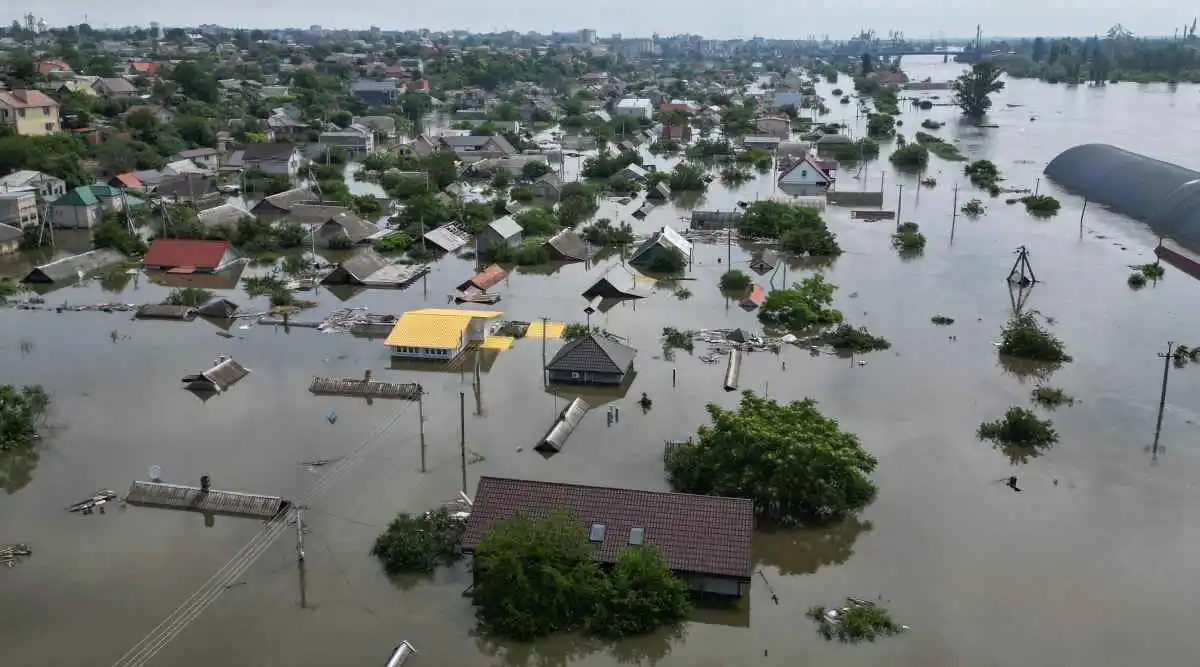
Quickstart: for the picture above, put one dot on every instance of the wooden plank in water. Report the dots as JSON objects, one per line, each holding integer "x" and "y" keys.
{"x": 368, "y": 388}
{"x": 872, "y": 216}
{"x": 195, "y": 499}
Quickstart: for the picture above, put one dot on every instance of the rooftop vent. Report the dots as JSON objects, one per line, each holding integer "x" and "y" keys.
{"x": 637, "y": 536}
{"x": 597, "y": 534}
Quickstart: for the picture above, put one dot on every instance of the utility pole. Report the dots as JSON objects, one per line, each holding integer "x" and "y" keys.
{"x": 728, "y": 248}
{"x": 1162, "y": 399}
{"x": 544, "y": 320}
{"x": 899, "y": 202}
{"x": 421, "y": 419}
{"x": 954, "y": 213}
{"x": 462, "y": 440}
{"x": 1081, "y": 214}
{"x": 300, "y": 534}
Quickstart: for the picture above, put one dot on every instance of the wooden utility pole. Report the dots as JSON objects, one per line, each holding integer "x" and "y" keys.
{"x": 899, "y": 202}
{"x": 954, "y": 213}
{"x": 462, "y": 440}
{"x": 421, "y": 420}
{"x": 1162, "y": 398}
{"x": 1081, "y": 214}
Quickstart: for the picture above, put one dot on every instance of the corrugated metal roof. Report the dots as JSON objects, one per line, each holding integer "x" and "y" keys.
{"x": 69, "y": 268}
{"x": 568, "y": 420}
{"x": 568, "y": 245}
{"x": 434, "y": 327}
{"x": 447, "y": 237}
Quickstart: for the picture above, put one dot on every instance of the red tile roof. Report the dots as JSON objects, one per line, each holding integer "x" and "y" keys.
{"x": 143, "y": 67}
{"x": 48, "y": 66}
{"x": 697, "y": 534}
{"x": 486, "y": 278}
{"x": 171, "y": 253}
{"x": 25, "y": 99}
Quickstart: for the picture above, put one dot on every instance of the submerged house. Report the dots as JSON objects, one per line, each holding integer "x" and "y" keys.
{"x": 189, "y": 256}
{"x": 664, "y": 241}
{"x": 502, "y": 232}
{"x": 282, "y": 203}
{"x": 593, "y": 359}
{"x": 332, "y": 226}
{"x": 75, "y": 267}
{"x": 484, "y": 280}
{"x": 357, "y": 268}
{"x": 617, "y": 283}
{"x": 705, "y": 540}
{"x": 438, "y": 334}
{"x": 807, "y": 172}
{"x": 567, "y": 246}
{"x": 449, "y": 237}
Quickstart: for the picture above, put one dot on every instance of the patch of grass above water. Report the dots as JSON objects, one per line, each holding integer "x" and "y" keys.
{"x": 1049, "y": 397}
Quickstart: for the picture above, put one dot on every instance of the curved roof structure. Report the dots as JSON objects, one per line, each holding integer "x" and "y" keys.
{"x": 1164, "y": 196}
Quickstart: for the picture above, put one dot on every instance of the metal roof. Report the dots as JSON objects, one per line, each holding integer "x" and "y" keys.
{"x": 505, "y": 227}
{"x": 568, "y": 420}
{"x": 440, "y": 328}
{"x": 70, "y": 268}
{"x": 593, "y": 354}
{"x": 568, "y": 245}
{"x": 697, "y": 534}
{"x": 1164, "y": 196}
{"x": 667, "y": 238}
{"x": 448, "y": 237}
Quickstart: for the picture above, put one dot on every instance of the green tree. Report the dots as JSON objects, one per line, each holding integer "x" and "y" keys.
{"x": 640, "y": 595}
{"x": 800, "y": 229}
{"x": 419, "y": 543}
{"x": 880, "y": 125}
{"x": 806, "y": 304}
{"x": 537, "y": 577}
{"x": 21, "y": 413}
{"x": 735, "y": 280}
{"x": 792, "y": 461}
{"x": 973, "y": 90}
{"x": 196, "y": 81}
{"x": 537, "y": 222}
{"x": 342, "y": 119}
{"x": 531, "y": 171}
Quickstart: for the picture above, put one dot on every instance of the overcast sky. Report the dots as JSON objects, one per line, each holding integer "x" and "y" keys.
{"x": 711, "y": 18}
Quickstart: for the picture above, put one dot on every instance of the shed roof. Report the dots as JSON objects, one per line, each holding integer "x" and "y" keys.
{"x": 1162, "y": 195}
{"x": 667, "y": 238}
{"x": 448, "y": 237}
{"x": 506, "y": 227}
{"x": 568, "y": 245}
{"x": 363, "y": 263}
{"x": 593, "y": 354}
{"x": 195, "y": 253}
{"x": 698, "y": 534}
{"x": 486, "y": 278}
{"x": 225, "y": 215}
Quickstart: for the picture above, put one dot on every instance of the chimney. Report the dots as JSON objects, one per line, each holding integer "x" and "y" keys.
{"x": 205, "y": 483}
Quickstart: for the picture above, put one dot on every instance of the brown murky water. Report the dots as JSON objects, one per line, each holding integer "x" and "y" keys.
{"x": 1088, "y": 566}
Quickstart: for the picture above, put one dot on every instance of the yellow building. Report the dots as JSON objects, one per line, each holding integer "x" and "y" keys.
{"x": 31, "y": 113}
{"x": 439, "y": 334}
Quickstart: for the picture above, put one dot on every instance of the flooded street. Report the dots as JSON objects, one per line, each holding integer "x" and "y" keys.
{"x": 1086, "y": 567}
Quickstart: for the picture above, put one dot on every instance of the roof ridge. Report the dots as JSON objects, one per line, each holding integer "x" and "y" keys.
{"x": 614, "y": 488}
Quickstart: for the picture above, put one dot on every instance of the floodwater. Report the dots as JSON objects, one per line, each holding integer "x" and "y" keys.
{"x": 1087, "y": 566}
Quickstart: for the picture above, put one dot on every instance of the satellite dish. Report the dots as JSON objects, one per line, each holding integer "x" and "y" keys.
{"x": 155, "y": 473}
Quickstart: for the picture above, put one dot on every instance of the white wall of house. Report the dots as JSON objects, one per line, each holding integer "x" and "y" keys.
{"x": 804, "y": 173}
{"x": 426, "y": 353}
{"x": 634, "y": 108}
{"x": 290, "y": 168}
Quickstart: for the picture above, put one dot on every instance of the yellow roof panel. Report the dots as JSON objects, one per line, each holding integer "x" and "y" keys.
{"x": 497, "y": 343}
{"x": 552, "y": 331}
{"x": 458, "y": 312}
{"x": 420, "y": 329}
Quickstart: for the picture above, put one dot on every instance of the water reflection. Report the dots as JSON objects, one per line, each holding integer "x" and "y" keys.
{"x": 805, "y": 550}
{"x": 115, "y": 279}
{"x": 1028, "y": 369}
{"x": 16, "y": 468}
{"x": 563, "y": 650}
{"x": 1021, "y": 454}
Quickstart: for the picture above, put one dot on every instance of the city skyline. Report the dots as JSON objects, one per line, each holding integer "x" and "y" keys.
{"x": 774, "y": 19}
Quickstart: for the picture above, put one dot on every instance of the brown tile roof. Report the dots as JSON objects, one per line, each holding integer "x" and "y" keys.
{"x": 193, "y": 253}
{"x": 698, "y": 534}
{"x": 24, "y": 99}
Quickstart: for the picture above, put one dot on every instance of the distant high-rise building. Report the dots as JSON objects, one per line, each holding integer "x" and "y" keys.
{"x": 587, "y": 36}
{"x": 155, "y": 30}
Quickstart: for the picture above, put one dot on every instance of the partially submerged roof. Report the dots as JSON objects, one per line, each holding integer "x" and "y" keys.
{"x": 667, "y": 238}
{"x": 593, "y": 353}
{"x": 73, "y": 267}
{"x": 362, "y": 264}
{"x": 286, "y": 200}
{"x": 8, "y": 233}
{"x": 225, "y": 215}
{"x": 1162, "y": 195}
{"x": 506, "y": 227}
{"x": 449, "y": 237}
{"x": 567, "y": 245}
{"x": 486, "y": 278}
{"x": 695, "y": 534}
{"x": 440, "y": 328}
{"x": 195, "y": 253}
{"x": 616, "y": 283}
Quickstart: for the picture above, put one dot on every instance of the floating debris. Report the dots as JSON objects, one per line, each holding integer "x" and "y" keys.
{"x": 11, "y": 554}
{"x": 859, "y": 620}
{"x": 317, "y": 463}
{"x": 332, "y": 417}
{"x": 98, "y": 499}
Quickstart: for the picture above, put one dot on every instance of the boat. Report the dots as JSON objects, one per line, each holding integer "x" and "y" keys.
{"x": 99, "y": 498}
{"x": 476, "y": 297}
